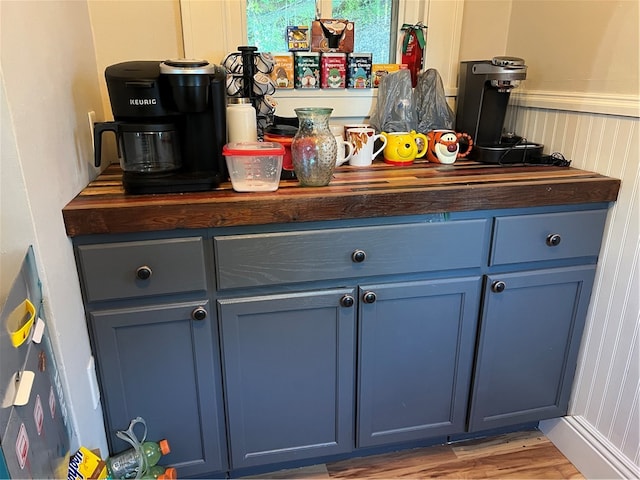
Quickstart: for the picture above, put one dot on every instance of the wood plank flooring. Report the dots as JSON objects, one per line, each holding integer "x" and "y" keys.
{"x": 521, "y": 455}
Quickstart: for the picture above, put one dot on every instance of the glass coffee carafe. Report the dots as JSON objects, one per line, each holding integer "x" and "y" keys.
{"x": 142, "y": 148}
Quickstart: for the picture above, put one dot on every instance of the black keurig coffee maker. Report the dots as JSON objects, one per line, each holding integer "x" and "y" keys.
{"x": 170, "y": 124}
{"x": 484, "y": 90}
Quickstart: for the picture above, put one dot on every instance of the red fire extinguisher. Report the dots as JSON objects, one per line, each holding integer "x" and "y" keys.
{"x": 413, "y": 44}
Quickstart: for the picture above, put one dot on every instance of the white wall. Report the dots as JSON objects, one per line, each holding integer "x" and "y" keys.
{"x": 602, "y": 434}
{"x": 133, "y": 30}
{"x": 582, "y": 100}
{"x": 49, "y": 83}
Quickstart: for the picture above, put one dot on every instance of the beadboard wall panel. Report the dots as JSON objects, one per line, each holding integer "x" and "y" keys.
{"x": 606, "y": 392}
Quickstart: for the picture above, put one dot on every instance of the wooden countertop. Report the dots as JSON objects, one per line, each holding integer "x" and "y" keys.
{"x": 355, "y": 192}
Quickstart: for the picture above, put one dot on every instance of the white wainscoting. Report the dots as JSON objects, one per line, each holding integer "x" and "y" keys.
{"x": 602, "y": 435}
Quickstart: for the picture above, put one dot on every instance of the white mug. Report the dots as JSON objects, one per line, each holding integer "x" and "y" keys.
{"x": 343, "y": 146}
{"x": 354, "y": 125}
{"x": 363, "y": 140}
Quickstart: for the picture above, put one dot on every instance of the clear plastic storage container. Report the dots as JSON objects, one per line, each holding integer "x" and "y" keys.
{"x": 254, "y": 166}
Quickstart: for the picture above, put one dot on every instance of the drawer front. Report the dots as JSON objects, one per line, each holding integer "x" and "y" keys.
{"x": 118, "y": 270}
{"x": 549, "y": 236}
{"x": 291, "y": 257}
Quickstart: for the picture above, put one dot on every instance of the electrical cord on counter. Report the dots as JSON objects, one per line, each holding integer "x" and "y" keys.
{"x": 514, "y": 145}
{"x": 556, "y": 159}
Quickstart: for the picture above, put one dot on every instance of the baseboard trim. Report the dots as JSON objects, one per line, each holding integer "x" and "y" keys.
{"x": 590, "y": 452}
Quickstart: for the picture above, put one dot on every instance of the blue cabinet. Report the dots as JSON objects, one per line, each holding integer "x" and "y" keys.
{"x": 339, "y": 337}
{"x": 158, "y": 362}
{"x": 529, "y": 337}
{"x": 154, "y": 336}
{"x": 289, "y": 363}
{"x": 416, "y": 343}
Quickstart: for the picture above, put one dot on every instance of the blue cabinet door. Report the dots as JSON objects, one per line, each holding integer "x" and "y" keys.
{"x": 289, "y": 365}
{"x": 159, "y": 363}
{"x": 416, "y": 342}
{"x": 528, "y": 345}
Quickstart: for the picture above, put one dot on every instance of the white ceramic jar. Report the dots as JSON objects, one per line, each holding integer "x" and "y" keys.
{"x": 241, "y": 121}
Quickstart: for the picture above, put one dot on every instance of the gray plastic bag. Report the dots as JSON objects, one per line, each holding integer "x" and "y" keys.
{"x": 432, "y": 110}
{"x": 395, "y": 109}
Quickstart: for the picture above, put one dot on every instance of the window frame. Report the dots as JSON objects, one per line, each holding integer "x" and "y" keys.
{"x": 211, "y": 29}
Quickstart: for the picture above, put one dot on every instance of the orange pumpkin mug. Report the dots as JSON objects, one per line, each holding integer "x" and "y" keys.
{"x": 444, "y": 146}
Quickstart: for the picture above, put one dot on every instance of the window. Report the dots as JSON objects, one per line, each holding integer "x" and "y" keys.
{"x": 374, "y": 21}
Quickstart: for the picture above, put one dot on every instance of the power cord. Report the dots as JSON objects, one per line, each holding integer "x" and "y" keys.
{"x": 556, "y": 159}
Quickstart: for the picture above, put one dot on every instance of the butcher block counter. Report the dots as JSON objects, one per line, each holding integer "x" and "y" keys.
{"x": 355, "y": 192}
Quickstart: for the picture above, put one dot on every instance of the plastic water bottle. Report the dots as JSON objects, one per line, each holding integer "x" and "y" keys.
{"x": 127, "y": 464}
{"x": 160, "y": 473}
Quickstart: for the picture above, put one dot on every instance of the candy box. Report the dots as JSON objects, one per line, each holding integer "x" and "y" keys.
{"x": 332, "y": 35}
{"x": 297, "y": 38}
{"x": 359, "y": 70}
{"x": 307, "y": 70}
{"x": 283, "y": 73}
{"x": 333, "y": 70}
{"x": 379, "y": 70}
{"x": 85, "y": 464}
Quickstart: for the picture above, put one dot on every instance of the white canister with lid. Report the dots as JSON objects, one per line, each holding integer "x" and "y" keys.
{"x": 241, "y": 120}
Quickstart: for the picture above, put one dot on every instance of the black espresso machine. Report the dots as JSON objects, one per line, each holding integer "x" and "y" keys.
{"x": 170, "y": 124}
{"x": 484, "y": 91}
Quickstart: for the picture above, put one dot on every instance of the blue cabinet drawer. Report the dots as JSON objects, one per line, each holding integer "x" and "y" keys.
{"x": 548, "y": 236}
{"x": 144, "y": 268}
{"x": 292, "y": 257}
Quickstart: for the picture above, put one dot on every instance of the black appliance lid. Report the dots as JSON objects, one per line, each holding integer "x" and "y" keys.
{"x": 283, "y": 130}
{"x": 187, "y": 66}
{"x": 146, "y": 127}
{"x": 134, "y": 70}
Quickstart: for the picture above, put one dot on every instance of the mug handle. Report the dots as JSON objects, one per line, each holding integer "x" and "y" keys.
{"x": 384, "y": 144}
{"x": 469, "y": 140}
{"x": 350, "y": 147}
{"x": 346, "y": 157}
{"x": 425, "y": 141}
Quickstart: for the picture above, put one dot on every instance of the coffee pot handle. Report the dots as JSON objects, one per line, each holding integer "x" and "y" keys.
{"x": 98, "y": 128}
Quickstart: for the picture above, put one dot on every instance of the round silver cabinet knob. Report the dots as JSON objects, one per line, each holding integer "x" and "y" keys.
{"x": 554, "y": 239}
{"x": 369, "y": 297}
{"x": 358, "y": 256}
{"x": 347, "y": 301}
{"x": 498, "y": 286}
{"x": 144, "y": 272}
{"x": 199, "y": 313}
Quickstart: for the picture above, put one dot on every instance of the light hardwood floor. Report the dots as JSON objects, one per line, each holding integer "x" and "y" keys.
{"x": 522, "y": 455}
